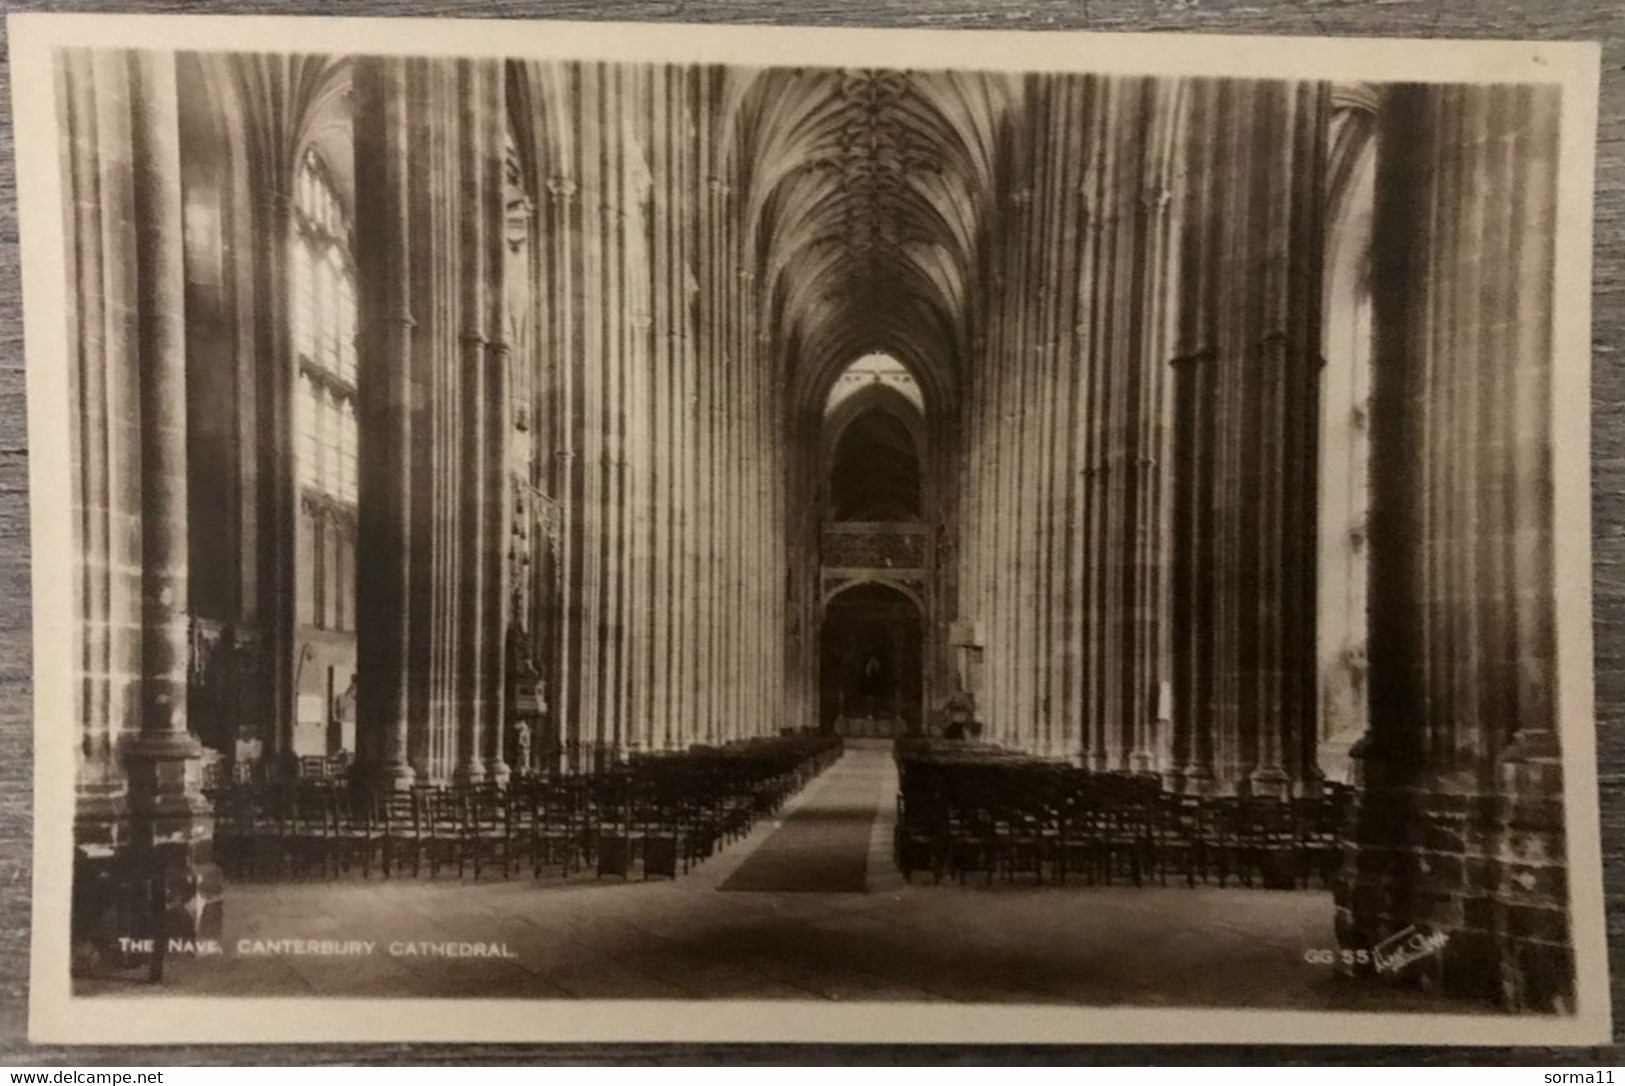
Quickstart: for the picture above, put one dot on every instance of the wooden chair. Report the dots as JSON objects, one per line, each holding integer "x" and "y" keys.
{"x": 921, "y": 834}
{"x": 1221, "y": 847}
{"x": 1320, "y": 834}
{"x": 489, "y": 831}
{"x": 1269, "y": 843}
{"x": 1179, "y": 837}
{"x": 443, "y": 825}
{"x": 311, "y": 845}
{"x": 557, "y": 830}
{"x": 357, "y": 830}
{"x": 404, "y": 831}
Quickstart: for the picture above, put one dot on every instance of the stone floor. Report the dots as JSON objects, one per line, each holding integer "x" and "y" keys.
{"x": 683, "y": 939}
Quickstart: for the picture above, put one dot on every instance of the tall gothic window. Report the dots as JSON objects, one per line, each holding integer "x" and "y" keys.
{"x": 324, "y": 314}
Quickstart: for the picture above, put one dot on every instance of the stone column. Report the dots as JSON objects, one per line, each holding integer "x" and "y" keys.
{"x": 1460, "y": 822}
{"x": 1052, "y": 197}
{"x": 389, "y": 455}
{"x": 1190, "y": 613}
{"x": 638, "y": 413}
{"x": 122, "y": 120}
{"x": 691, "y": 194}
{"x": 94, "y": 96}
{"x": 1070, "y": 338}
{"x": 1246, "y": 443}
{"x": 1155, "y": 312}
{"x": 263, "y": 84}
{"x": 592, "y": 367}
{"x": 614, "y": 316}
{"x": 472, "y": 467}
{"x": 497, "y": 410}
{"x": 163, "y": 802}
{"x": 548, "y": 114}
{"x": 1093, "y": 464}
{"x": 664, "y": 343}
{"x": 168, "y": 810}
{"x": 713, "y": 346}
{"x": 563, "y": 220}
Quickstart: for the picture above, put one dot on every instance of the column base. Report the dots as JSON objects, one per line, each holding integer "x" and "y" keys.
{"x": 1531, "y": 900}
{"x": 136, "y": 909}
{"x": 1468, "y": 878}
{"x": 393, "y": 776}
{"x": 159, "y": 893}
{"x": 1269, "y": 782}
{"x": 99, "y": 913}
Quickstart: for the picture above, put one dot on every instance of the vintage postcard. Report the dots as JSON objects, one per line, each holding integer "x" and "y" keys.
{"x": 621, "y": 532}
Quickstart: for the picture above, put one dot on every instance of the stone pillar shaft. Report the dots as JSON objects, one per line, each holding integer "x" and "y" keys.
{"x": 472, "y": 465}
{"x": 1246, "y": 442}
{"x": 1461, "y": 825}
{"x": 94, "y": 97}
{"x": 140, "y": 803}
{"x": 434, "y": 413}
{"x": 384, "y": 398}
{"x": 1065, "y": 545}
{"x": 498, "y": 401}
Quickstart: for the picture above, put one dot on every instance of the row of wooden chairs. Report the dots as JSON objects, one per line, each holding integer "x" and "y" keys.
{"x": 994, "y": 816}
{"x": 659, "y": 815}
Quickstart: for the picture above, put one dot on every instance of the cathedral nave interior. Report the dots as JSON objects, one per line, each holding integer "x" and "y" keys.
{"x": 1116, "y": 500}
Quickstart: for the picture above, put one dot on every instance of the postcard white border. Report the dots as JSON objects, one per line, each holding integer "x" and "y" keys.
{"x": 55, "y": 1015}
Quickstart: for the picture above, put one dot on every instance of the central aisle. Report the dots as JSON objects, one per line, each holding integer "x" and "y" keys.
{"x": 822, "y": 844}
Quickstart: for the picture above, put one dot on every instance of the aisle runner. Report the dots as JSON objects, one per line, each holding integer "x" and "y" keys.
{"x": 823, "y": 845}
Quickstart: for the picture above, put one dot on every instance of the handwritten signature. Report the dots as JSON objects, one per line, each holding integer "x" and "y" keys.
{"x": 1404, "y": 947}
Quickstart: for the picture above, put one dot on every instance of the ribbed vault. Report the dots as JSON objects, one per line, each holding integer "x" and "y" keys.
{"x": 864, "y": 192}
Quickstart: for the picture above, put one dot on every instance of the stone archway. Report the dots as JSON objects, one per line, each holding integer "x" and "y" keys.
{"x": 871, "y": 662}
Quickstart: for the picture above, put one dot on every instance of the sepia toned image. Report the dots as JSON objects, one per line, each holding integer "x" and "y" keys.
{"x": 642, "y": 532}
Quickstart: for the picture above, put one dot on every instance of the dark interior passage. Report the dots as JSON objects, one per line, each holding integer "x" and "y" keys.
{"x": 876, "y": 474}
{"x": 871, "y": 662}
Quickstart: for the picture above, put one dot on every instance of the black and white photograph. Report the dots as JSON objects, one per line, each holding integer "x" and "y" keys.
{"x": 597, "y": 531}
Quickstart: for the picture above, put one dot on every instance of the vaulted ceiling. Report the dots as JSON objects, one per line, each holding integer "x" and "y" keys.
{"x": 865, "y": 193}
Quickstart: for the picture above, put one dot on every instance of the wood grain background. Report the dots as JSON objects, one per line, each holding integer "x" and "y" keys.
{"x": 1587, "y": 20}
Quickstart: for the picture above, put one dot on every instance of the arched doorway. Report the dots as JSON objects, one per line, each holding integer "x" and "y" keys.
{"x": 871, "y": 662}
